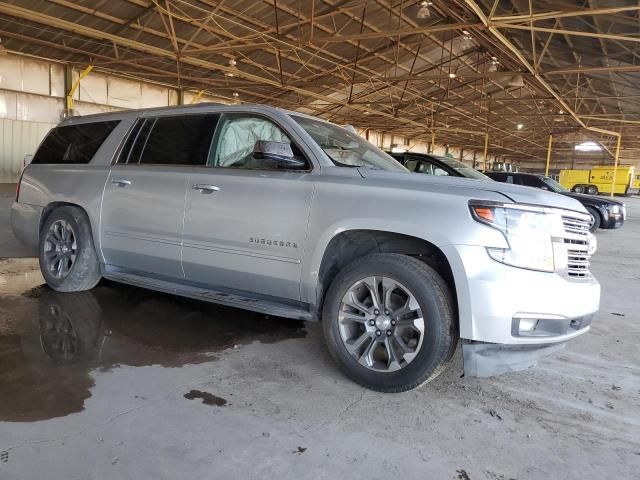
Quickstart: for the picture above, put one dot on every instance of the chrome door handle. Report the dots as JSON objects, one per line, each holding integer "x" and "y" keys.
{"x": 121, "y": 182}
{"x": 205, "y": 188}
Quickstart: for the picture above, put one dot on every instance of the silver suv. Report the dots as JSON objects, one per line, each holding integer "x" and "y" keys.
{"x": 289, "y": 215}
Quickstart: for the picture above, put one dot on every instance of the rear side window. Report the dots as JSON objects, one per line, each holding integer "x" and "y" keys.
{"x": 136, "y": 141}
{"x": 178, "y": 140}
{"x": 528, "y": 181}
{"x": 73, "y": 144}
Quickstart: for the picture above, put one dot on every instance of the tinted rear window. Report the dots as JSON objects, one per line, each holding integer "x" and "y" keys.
{"x": 74, "y": 144}
{"x": 180, "y": 140}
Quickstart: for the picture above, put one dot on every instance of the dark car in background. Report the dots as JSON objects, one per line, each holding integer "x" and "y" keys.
{"x": 429, "y": 164}
{"x": 605, "y": 213}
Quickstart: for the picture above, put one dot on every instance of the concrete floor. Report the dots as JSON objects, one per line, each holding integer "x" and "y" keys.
{"x": 122, "y": 383}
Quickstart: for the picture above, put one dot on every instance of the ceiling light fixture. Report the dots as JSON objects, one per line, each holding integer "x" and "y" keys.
{"x": 236, "y": 94}
{"x": 452, "y": 75}
{"x": 232, "y": 62}
{"x": 424, "y": 12}
{"x": 520, "y": 126}
{"x": 588, "y": 147}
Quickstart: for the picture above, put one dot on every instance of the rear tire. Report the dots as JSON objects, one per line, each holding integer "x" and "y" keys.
{"x": 595, "y": 219}
{"x": 578, "y": 188}
{"x": 592, "y": 190}
{"x": 412, "y": 337}
{"x": 68, "y": 259}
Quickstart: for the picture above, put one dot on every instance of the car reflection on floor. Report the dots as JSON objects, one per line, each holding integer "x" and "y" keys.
{"x": 50, "y": 342}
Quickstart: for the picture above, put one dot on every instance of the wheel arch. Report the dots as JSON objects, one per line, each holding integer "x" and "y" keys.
{"x": 348, "y": 245}
{"x": 52, "y": 206}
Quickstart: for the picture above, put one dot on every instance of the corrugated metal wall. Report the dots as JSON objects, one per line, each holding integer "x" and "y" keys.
{"x": 32, "y": 101}
{"x": 17, "y": 139}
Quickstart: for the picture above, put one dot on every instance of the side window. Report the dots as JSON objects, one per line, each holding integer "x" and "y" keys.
{"x": 528, "y": 181}
{"x": 411, "y": 165}
{"x": 73, "y": 144}
{"x": 425, "y": 167}
{"x": 177, "y": 140}
{"x": 509, "y": 178}
{"x": 128, "y": 143}
{"x": 439, "y": 171}
{"x": 236, "y": 138}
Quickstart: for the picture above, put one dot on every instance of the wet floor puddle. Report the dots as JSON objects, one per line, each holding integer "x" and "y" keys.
{"x": 206, "y": 397}
{"x": 50, "y": 342}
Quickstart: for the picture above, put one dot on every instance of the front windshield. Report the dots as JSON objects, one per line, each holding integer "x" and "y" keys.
{"x": 463, "y": 169}
{"x": 347, "y": 149}
{"x": 553, "y": 185}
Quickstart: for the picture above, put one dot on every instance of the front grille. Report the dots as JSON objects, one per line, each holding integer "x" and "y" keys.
{"x": 576, "y": 240}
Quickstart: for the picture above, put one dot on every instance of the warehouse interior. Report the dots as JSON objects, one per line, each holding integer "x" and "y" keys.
{"x": 512, "y": 85}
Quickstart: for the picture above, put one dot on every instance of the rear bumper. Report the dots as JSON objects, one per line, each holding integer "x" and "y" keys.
{"x": 25, "y": 222}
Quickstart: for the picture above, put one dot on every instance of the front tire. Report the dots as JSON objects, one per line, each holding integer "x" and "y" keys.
{"x": 595, "y": 219}
{"x": 389, "y": 322}
{"x": 578, "y": 189}
{"x": 68, "y": 259}
{"x": 592, "y": 190}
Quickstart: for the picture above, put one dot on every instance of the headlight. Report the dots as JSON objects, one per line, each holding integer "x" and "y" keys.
{"x": 614, "y": 208}
{"x": 529, "y": 231}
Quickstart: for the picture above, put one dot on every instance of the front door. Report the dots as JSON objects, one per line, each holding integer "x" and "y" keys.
{"x": 144, "y": 198}
{"x": 245, "y": 223}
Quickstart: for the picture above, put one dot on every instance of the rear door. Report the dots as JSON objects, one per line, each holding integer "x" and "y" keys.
{"x": 245, "y": 223}
{"x": 143, "y": 204}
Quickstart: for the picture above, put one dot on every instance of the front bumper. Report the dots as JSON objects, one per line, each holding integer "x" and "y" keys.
{"x": 494, "y": 298}
{"x": 490, "y": 359}
{"x": 613, "y": 220}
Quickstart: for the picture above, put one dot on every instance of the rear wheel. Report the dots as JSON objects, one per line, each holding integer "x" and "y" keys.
{"x": 389, "y": 322}
{"x": 579, "y": 188}
{"x": 68, "y": 260}
{"x": 594, "y": 222}
{"x": 592, "y": 190}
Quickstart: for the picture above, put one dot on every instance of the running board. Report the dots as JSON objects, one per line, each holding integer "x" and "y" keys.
{"x": 223, "y": 298}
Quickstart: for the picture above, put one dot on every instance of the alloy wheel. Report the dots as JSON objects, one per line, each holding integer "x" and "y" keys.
{"x": 60, "y": 248}
{"x": 381, "y": 324}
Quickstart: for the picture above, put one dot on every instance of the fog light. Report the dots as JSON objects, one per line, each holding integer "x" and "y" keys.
{"x": 527, "y": 325}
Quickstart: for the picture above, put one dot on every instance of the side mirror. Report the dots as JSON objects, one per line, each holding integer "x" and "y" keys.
{"x": 27, "y": 159}
{"x": 278, "y": 154}
{"x": 544, "y": 188}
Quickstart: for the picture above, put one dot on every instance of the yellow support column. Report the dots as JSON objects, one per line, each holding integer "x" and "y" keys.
{"x": 486, "y": 150}
{"x": 546, "y": 171}
{"x": 75, "y": 85}
{"x": 615, "y": 165}
{"x": 197, "y": 96}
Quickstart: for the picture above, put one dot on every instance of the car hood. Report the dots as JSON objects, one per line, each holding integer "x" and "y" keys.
{"x": 471, "y": 188}
{"x": 591, "y": 199}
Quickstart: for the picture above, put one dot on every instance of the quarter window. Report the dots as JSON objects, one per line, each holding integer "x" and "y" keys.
{"x": 73, "y": 144}
{"x": 178, "y": 140}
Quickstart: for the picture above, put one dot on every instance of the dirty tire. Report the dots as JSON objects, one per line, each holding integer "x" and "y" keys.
{"x": 436, "y": 304}
{"x": 595, "y": 219}
{"x": 84, "y": 273}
